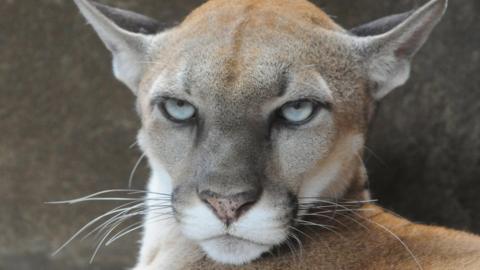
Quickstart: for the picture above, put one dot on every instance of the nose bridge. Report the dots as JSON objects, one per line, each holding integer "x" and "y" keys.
{"x": 238, "y": 146}
{"x": 230, "y": 162}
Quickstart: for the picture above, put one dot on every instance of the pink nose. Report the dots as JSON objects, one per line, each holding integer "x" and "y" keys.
{"x": 229, "y": 208}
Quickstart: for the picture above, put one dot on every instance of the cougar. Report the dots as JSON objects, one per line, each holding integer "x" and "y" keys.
{"x": 254, "y": 115}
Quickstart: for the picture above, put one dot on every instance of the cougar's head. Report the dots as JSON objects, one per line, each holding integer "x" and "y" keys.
{"x": 251, "y": 108}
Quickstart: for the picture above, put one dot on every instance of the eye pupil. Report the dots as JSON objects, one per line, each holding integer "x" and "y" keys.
{"x": 180, "y": 103}
{"x": 297, "y": 105}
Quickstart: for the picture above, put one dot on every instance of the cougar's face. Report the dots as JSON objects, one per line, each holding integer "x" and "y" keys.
{"x": 242, "y": 136}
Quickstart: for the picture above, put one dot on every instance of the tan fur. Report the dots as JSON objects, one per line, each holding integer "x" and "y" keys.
{"x": 371, "y": 247}
{"x": 228, "y": 58}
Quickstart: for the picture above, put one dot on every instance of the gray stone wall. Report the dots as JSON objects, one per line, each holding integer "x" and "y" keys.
{"x": 66, "y": 126}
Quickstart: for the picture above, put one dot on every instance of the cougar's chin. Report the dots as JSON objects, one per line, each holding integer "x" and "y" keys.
{"x": 233, "y": 250}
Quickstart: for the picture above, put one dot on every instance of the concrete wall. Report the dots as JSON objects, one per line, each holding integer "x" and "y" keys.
{"x": 66, "y": 126}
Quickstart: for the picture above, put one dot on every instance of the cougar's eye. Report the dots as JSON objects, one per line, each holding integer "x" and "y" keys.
{"x": 178, "y": 110}
{"x": 298, "y": 112}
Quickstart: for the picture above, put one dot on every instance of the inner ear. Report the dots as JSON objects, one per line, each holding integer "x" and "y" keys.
{"x": 130, "y": 21}
{"x": 126, "y": 34}
{"x": 381, "y": 25}
{"x": 388, "y": 44}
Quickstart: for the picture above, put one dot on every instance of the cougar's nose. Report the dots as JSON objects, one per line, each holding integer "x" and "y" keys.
{"x": 229, "y": 208}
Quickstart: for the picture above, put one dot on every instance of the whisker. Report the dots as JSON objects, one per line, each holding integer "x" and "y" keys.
{"x": 133, "y": 144}
{"x": 355, "y": 212}
{"x": 117, "y": 199}
{"x": 377, "y": 157}
{"x": 130, "y": 192}
{"x": 330, "y": 218}
{"x": 417, "y": 262}
{"x": 132, "y": 174}
{"x": 134, "y": 227}
{"x": 292, "y": 250}
{"x": 122, "y": 232}
{"x": 99, "y": 245}
{"x": 120, "y": 216}
{"x": 83, "y": 229}
{"x": 117, "y": 212}
{"x": 301, "y": 232}
{"x": 326, "y": 211}
{"x": 354, "y": 220}
{"x": 300, "y": 246}
{"x": 330, "y": 201}
{"x": 326, "y": 227}
{"x": 415, "y": 259}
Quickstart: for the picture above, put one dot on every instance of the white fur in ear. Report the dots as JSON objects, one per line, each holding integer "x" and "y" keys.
{"x": 115, "y": 28}
{"x": 388, "y": 55}
{"x": 388, "y": 73}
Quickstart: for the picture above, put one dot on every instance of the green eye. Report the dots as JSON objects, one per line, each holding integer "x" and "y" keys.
{"x": 178, "y": 110}
{"x": 298, "y": 112}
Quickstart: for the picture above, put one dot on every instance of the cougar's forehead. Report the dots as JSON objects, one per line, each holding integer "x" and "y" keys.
{"x": 241, "y": 42}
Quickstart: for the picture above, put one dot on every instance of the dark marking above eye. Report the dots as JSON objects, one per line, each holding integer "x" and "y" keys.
{"x": 283, "y": 83}
{"x": 156, "y": 100}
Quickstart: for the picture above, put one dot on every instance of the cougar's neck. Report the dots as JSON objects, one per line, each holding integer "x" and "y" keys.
{"x": 350, "y": 184}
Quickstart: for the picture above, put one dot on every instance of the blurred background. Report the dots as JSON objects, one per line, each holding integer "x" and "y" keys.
{"x": 66, "y": 127}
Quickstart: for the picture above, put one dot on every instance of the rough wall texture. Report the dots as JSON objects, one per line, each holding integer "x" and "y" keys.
{"x": 66, "y": 127}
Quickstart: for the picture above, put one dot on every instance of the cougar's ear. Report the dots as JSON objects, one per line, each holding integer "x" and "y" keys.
{"x": 126, "y": 34}
{"x": 387, "y": 45}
